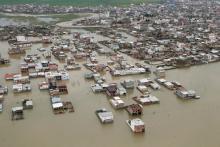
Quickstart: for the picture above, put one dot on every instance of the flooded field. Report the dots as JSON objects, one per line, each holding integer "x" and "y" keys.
{"x": 7, "y": 19}
{"x": 7, "y": 22}
{"x": 173, "y": 122}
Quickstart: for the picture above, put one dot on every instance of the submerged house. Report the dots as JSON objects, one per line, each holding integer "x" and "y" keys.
{"x": 18, "y": 88}
{"x": 145, "y": 81}
{"x": 104, "y": 115}
{"x": 17, "y": 113}
{"x": 128, "y": 84}
{"x": 186, "y": 94}
{"x": 146, "y": 99}
{"x": 112, "y": 90}
{"x": 4, "y": 61}
{"x": 136, "y": 125}
{"x": 135, "y": 109}
{"x": 19, "y": 79}
{"x": 117, "y": 102}
{"x": 3, "y": 90}
{"x": 61, "y": 75}
{"x": 160, "y": 72}
{"x": 27, "y": 104}
{"x": 16, "y": 50}
{"x": 57, "y": 105}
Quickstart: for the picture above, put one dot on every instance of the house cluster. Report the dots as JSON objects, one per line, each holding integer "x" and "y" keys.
{"x": 17, "y": 112}
{"x": 18, "y": 35}
{"x": 33, "y": 67}
{"x": 166, "y": 36}
{"x": 171, "y": 35}
{"x": 46, "y": 9}
{"x": 178, "y": 89}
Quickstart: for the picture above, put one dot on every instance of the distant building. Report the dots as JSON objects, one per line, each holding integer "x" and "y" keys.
{"x": 21, "y": 39}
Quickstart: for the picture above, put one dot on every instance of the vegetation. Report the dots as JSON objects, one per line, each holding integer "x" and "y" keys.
{"x": 80, "y": 2}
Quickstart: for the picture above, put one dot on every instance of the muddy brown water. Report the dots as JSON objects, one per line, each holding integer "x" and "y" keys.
{"x": 172, "y": 123}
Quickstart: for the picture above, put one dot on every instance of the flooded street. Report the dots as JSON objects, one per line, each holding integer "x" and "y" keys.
{"x": 174, "y": 122}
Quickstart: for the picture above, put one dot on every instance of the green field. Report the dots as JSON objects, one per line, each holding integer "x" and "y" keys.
{"x": 80, "y": 2}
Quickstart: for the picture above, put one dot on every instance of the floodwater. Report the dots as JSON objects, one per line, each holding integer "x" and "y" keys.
{"x": 24, "y": 19}
{"x": 46, "y": 19}
{"x": 172, "y": 123}
{"x": 7, "y": 22}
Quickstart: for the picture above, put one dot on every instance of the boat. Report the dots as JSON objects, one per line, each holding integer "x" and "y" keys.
{"x": 104, "y": 115}
{"x": 136, "y": 125}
